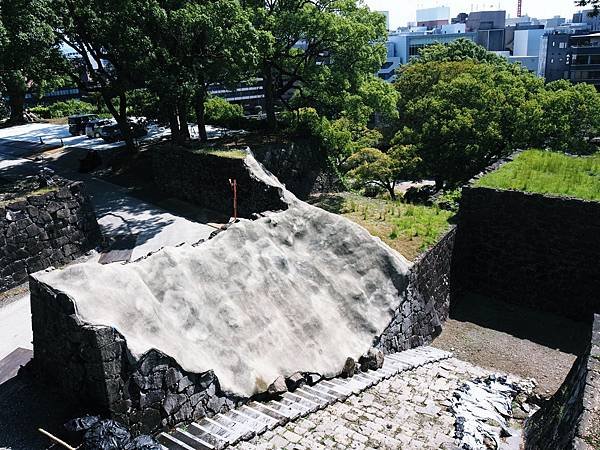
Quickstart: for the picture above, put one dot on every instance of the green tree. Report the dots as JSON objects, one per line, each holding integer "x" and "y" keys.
{"x": 323, "y": 50}
{"x": 27, "y": 49}
{"x": 462, "y": 115}
{"x": 207, "y": 42}
{"x": 111, "y": 46}
{"x": 371, "y": 166}
{"x": 567, "y": 118}
{"x": 459, "y": 50}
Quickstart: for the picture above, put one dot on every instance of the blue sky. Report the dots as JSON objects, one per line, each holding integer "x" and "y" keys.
{"x": 402, "y": 11}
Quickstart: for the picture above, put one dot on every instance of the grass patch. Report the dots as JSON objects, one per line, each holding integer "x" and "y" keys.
{"x": 24, "y": 196}
{"x": 408, "y": 229}
{"x": 233, "y": 153}
{"x": 546, "y": 172}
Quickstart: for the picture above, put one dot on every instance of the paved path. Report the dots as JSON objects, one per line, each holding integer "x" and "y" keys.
{"x": 118, "y": 212}
{"x": 407, "y": 404}
{"x": 408, "y": 411}
{"x": 15, "y": 325}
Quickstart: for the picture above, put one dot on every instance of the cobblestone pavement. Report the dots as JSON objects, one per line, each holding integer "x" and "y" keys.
{"x": 408, "y": 411}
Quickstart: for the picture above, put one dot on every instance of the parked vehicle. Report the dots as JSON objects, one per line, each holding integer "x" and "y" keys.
{"x": 77, "y": 123}
{"x": 92, "y": 129}
{"x": 112, "y": 133}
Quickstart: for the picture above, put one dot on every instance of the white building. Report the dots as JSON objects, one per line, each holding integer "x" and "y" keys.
{"x": 527, "y": 42}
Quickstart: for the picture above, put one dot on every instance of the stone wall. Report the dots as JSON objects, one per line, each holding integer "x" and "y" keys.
{"x": 420, "y": 317}
{"x": 43, "y": 230}
{"x": 203, "y": 179}
{"x": 529, "y": 249}
{"x": 92, "y": 365}
{"x": 571, "y": 418}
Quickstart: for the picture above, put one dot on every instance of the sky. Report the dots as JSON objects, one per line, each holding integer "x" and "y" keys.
{"x": 403, "y": 11}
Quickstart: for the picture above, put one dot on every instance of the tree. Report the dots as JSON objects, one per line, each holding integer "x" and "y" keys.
{"x": 112, "y": 49}
{"x": 324, "y": 50}
{"x": 206, "y": 42}
{"x": 373, "y": 166}
{"x": 568, "y": 117}
{"x": 28, "y": 49}
{"x": 462, "y": 115}
{"x": 458, "y": 50}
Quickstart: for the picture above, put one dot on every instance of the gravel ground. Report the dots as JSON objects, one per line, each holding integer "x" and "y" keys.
{"x": 507, "y": 338}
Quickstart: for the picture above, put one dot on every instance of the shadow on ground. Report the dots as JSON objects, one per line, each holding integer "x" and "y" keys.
{"x": 25, "y": 406}
{"x": 549, "y": 330}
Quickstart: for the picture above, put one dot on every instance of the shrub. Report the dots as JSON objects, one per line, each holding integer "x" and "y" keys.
{"x": 64, "y": 109}
{"x": 219, "y": 111}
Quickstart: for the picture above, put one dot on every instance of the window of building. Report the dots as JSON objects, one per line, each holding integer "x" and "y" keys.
{"x": 594, "y": 59}
{"x": 562, "y": 45}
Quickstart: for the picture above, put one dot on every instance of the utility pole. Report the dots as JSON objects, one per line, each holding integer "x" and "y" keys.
{"x": 519, "y": 7}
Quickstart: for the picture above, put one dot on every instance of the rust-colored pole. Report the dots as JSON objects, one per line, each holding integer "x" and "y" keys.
{"x": 233, "y": 184}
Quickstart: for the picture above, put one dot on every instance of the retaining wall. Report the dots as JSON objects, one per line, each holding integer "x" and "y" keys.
{"x": 420, "y": 318}
{"x": 529, "y": 249}
{"x": 43, "y": 230}
{"x": 203, "y": 179}
{"x": 571, "y": 418}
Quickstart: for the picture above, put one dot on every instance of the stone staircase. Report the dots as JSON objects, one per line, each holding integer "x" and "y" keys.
{"x": 243, "y": 423}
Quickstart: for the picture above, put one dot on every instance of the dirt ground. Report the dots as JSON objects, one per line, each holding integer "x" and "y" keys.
{"x": 509, "y": 338}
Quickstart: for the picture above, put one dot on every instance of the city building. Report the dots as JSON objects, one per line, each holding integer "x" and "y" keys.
{"x": 387, "y": 18}
{"x": 489, "y": 27}
{"x": 554, "y": 58}
{"x": 592, "y": 22}
{"x": 433, "y": 17}
{"x": 527, "y": 42}
{"x": 585, "y": 59}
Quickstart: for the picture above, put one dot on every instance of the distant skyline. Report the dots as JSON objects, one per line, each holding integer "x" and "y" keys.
{"x": 403, "y": 11}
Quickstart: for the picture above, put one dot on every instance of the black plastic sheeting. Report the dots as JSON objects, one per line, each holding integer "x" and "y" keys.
{"x": 99, "y": 434}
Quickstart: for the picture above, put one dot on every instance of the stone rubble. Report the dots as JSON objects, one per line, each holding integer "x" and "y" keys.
{"x": 483, "y": 408}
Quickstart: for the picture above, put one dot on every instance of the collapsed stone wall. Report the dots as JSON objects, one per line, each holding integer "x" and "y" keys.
{"x": 419, "y": 320}
{"x": 92, "y": 366}
{"x": 530, "y": 249}
{"x": 203, "y": 179}
{"x": 93, "y": 363}
{"x": 571, "y": 418}
{"x": 43, "y": 230}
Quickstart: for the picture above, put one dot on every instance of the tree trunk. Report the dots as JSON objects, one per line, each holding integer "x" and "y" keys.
{"x": 121, "y": 118}
{"x": 269, "y": 92}
{"x": 392, "y": 192}
{"x": 184, "y": 130}
{"x": 439, "y": 183}
{"x": 200, "y": 118}
{"x": 16, "y": 90}
{"x": 174, "y": 124}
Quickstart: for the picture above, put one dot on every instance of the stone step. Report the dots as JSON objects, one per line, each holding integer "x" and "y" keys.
{"x": 249, "y": 420}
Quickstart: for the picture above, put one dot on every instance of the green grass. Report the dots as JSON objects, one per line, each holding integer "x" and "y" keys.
{"x": 222, "y": 153}
{"x": 549, "y": 173}
{"x": 24, "y": 195}
{"x": 408, "y": 229}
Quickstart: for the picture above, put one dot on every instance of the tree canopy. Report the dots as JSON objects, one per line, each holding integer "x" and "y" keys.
{"x": 28, "y": 48}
